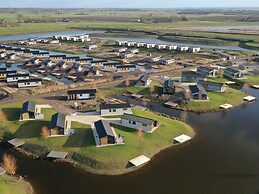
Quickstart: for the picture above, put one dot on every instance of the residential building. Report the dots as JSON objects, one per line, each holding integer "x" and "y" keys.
{"x": 208, "y": 71}
{"x": 115, "y": 109}
{"x": 60, "y": 124}
{"x": 28, "y": 111}
{"x": 85, "y": 94}
{"x": 126, "y": 68}
{"x": 212, "y": 86}
{"x": 139, "y": 123}
{"x": 144, "y": 81}
{"x": 17, "y": 77}
{"x": 197, "y": 92}
{"x": 233, "y": 73}
{"x": 29, "y": 83}
{"x": 191, "y": 76}
{"x": 169, "y": 87}
{"x": 106, "y": 135}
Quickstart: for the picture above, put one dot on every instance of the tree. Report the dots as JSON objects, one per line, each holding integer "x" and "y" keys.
{"x": 140, "y": 135}
{"x": 9, "y": 164}
{"x": 45, "y": 132}
{"x": 20, "y": 18}
{"x": 2, "y": 116}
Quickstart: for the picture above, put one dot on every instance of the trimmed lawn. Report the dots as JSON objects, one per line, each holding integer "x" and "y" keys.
{"x": 81, "y": 146}
{"x": 13, "y": 185}
{"x": 230, "y": 96}
{"x": 251, "y": 79}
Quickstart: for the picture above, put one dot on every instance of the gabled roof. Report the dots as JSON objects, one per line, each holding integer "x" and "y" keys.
{"x": 58, "y": 120}
{"x": 103, "y": 128}
{"x": 86, "y": 91}
{"x": 197, "y": 88}
{"x": 29, "y": 80}
{"x": 18, "y": 75}
{"x": 192, "y": 73}
{"x": 28, "y": 106}
{"x": 169, "y": 83}
{"x": 58, "y": 56}
{"x": 144, "y": 78}
{"x": 137, "y": 119}
{"x": 232, "y": 70}
{"x": 126, "y": 66}
{"x": 201, "y": 82}
{"x": 114, "y": 106}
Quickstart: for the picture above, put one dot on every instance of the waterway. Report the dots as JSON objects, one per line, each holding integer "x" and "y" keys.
{"x": 222, "y": 159}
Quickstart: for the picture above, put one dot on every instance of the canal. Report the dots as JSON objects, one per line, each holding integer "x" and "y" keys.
{"x": 222, "y": 159}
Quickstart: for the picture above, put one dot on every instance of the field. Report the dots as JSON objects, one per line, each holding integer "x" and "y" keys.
{"x": 81, "y": 145}
{"x": 13, "y": 185}
{"x": 230, "y": 96}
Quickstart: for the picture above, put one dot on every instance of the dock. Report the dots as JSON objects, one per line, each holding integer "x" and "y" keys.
{"x": 140, "y": 160}
{"x": 171, "y": 104}
{"x": 136, "y": 96}
{"x": 141, "y": 107}
{"x": 230, "y": 82}
{"x": 226, "y": 106}
{"x": 2, "y": 170}
{"x": 182, "y": 138}
{"x": 57, "y": 155}
{"x": 16, "y": 142}
{"x": 249, "y": 98}
{"x": 256, "y": 86}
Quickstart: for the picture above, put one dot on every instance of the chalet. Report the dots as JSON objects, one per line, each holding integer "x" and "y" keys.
{"x": 191, "y": 76}
{"x": 134, "y": 51}
{"x": 98, "y": 62}
{"x": 161, "y": 46}
{"x": 148, "y": 46}
{"x": 115, "y": 109}
{"x": 197, "y": 92}
{"x": 194, "y": 50}
{"x": 17, "y": 77}
{"x": 29, "y": 83}
{"x": 208, "y": 71}
{"x": 57, "y": 57}
{"x": 71, "y": 59}
{"x": 106, "y": 135}
{"x": 126, "y": 55}
{"x": 234, "y": 63}
{"x": 49, "y": 63}
{"x": 233, "y": 73}
{"x": 60, "y": 125}
{"x": 183, "y": 48}
{"x": 139, "y": 123}
{"x": 5, "y": 73}
{"x": 169, "y": 87}
{"x": 172, "y": 47}
{"x": 120, "y": 50}
{"x": 34, "y": 61}
{"x": 28, "y": 111}
{"x": 11, "y": 56}
{"x": 84, "y": 60}
{"x": 212, "y": 86}
{"x": 131, "y": 44}
{"x": 140, "y": 44}
{"x": 62, "y": 65}
{"x": 144, "y": 81}
{"x": 91, "y": 47}
{"x": 111, "y": 66}
{"x": 126, "y": 68}
{"x": 122, "y": 43}
{"x": 81, "y": 94}
{"x": 153, "y": 59}
{"x": 166, "y": 61}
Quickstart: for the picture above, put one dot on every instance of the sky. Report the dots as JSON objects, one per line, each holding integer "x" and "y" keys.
{"x": 128, "y": 3}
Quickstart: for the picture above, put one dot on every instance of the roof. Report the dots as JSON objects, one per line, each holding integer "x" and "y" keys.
{"x": 86, "y": 91}
{"x": 192, "y": 73}
{"x": 16, "y": 142}
{"x": 203, "y": 68}
{"x": 144, "y": 78}
{"x": 114, "y": 106}
{"x": 28, "y": 106}
{"x": 19, "y": 75}
{"x": 168, "y": 83}
{"x": 126, "y": 66}
{"x": 112, "y": 63}
{"x": 232, "y": 70}
{"x": 182, "y": 138}
{"x": 57, "y": 155}
{"x": 197, "y": 88}
{"x": 103, "y": 128}
{"x": 57, "y": 56}
{"x": 99, "y": 61}
{"x": 137, "y": 119}
{"x": 201, "y": 82}
{"x": 85, "y": 59}
{"x": 57, "y": 120}
{"x": 139, "y": 160}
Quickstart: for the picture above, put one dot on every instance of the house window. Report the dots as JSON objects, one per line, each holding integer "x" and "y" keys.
{"x": 144, "y": 124}
{"x": 133, "y": 123}
{"x": 129, "y": 122}
{"x": 125, "y": 109}
{"x": 114, "y": 110}
{"x": 110, "y": 110}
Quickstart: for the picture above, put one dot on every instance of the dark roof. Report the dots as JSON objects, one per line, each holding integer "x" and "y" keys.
{"x": 197, "y": 88}
{"x": 86, "y": 91}
{"x": 18, "y": 75}
{"x": 57, "y": 120}
{"x": 28, "y": 106}
{"x": 8, "y": 71}
{"x": 58, "y": 56}
{"x": 29, "y": 80}
{"x": 203, "y": 68}
{"x": 112, "y": 63}
{"x": 201, "y": 82}
{"x": 169, "y": 83}
{"x": 114, "y": 106}
{"x": 232, "y": 70}
{"x": 137, "y": 119}
{"x": 103, "y": 128}
{"x": 99, "y": 61}
{"x": 126, "y": 66}
{"x": 144, "y": 78}
{"x": 75, "y": 57}
{"x": 192, "y": 73}
{"x": 84, "y": 59}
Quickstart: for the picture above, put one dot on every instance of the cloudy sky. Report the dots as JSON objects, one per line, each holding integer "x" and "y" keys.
{"x": 128, "y": 3}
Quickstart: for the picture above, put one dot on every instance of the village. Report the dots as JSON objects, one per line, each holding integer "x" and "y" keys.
{"x": 95, "y": 100}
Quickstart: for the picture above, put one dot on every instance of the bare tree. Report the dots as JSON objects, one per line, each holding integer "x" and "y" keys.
{"x": 186, "y": 94}
{"x": 2, "y": 116}
{"x": 9, "y": 164}
{"x": 45, "y": 132}
{"x": 246, "y": 87}
{"x": 127, "y": 82}
{"x": 140, "y": 135}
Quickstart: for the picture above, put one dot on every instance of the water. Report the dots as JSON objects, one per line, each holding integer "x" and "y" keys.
{"x": 225, "y": 28}
{"x": 222, "y": 159}
{"x": 49, "y": 34}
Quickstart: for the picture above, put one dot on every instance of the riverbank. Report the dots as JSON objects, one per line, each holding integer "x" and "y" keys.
{"x": 110, "y": 160}
{"x": 14, "y": 185}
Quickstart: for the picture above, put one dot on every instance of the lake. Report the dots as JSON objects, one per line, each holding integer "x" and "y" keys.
{"x": 222, "y": 159}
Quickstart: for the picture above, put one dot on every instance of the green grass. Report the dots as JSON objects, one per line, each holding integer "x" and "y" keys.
{"x": 230, "y": 96}
{"x": 13, "y": 185}
{"x": 81, "y": 145}
{"x": 253, "y": 80}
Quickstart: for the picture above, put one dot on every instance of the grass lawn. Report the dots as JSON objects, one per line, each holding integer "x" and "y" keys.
{"x": 253, "y": 80}
{"x": 13, "y": 185}
{"x": 250, "y": 79}
{"x": 230, "y": 96}
{"x": 81, "y": 145}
